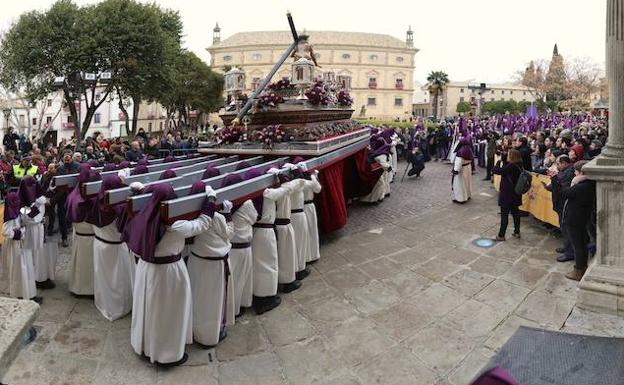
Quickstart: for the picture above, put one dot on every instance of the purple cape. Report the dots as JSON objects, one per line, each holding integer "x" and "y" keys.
{"x": 169, "y": 159}
{"x": 110, "y": 167}
{"x": 139, "y": 169}
{"x": 104, "y": 215}
{"x": 93, "y": 163}
{"x": 146, "y": 228}
{"x": 252, "y": 173}
{"x": 80, "y": 209}
{"x": 211, "y": 172}
{"x": 242, "y": 165}
{"x": 12, "y": 206}
{"x": 229, "y": 180}
{"x": 167, "y": 174}
{"x": 198, "y": 187}
{"x": 124, "y": 164}
{"x": 464, "y": 150}
{"x": 29, "y": 190}
{"x": 142, "y": 162}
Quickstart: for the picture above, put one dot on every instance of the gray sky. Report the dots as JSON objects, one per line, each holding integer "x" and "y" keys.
{"x": 484, "y": 40}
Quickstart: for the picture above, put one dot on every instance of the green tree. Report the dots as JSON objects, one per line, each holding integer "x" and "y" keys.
{"x": 195, "y": 87}
{"x": 463, "y": 107}
{"x": 437, "y": 81}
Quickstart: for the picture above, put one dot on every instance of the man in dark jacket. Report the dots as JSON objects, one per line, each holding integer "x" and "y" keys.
{"x": 490, "y": 151}
{"x": 580, "y": 200}
{"x": 562, "y": 180}
{"x": 522, "y": 145}
{"x": 10, "y": 140}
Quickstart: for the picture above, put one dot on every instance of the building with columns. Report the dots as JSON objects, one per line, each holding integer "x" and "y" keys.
{"x": 381, "y": 67}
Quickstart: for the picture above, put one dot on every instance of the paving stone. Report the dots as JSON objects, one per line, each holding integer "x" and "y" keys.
{"x": 205, "y": 375}
{"x": 329, "y": 263}
{"x": 118, "y": 350}
{"x": 357, "y": 341}
{"x": 372, "y": 298}
{"x": 505, "y": 330}
{"x": 314, "y": 289}
{"x": 503, "y": 295}
{"x": 595, "y": 323}
{"x": 45, "y": 333}
{"x": 437, "y": 269}
{"x": 401, "y": 321}
{"x": 437, "y": 300}
{"x": 257, "y": 369}
{"x": 285, "y": 325}
{"x": 490, "y": 266}
{"x": 412, "y": 257}
{"x": 86, "y": 315}
{"x": 460, "y": 256}
{"x": 471, "y": 366}
{"x": 539, "y": 258}
{"x": 115, "y": 374}
{"x": 546, "y": 309}
{"x": 83, "y": 343}
{"x": 467, "y": 282}
{"x": 507, "y": 252}
{"x": 381, "y": 268}
{"x": 244, "y": 337}
{"x": 308, "y": 361}
{"x": 329, "y": 313}
{"x": 398, "y": 366}
{"x": 346, "y": 278}
{"x": 407, "y": 283}
{"x": 441, "y": 346}
{"x": 475, "y": 319}
{"x": 557, "y": 284}
{"x": 56, "y": 310}
{"x": 339, "y": 377}
{"x": 524, "y": 275}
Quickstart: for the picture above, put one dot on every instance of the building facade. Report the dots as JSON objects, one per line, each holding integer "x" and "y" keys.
{"x": 471, "y": 92}
{"x": 381, "y": 67}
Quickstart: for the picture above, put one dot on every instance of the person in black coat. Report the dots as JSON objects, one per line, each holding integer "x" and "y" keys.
{"x": 522, "y": 145}
{"x": 508, "y": 200}
{"x": 564, "y": 179}
{"x": 580, "y": 202}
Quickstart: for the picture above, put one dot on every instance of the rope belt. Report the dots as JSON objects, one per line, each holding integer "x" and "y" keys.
{"x": 295, "y": 211}
{"x": 310, "y": 202}
{"x": 85, "y": 234}
{"x": 241, "y": 245}
{"x": 224, "y": 258}
{"x": 165, "y": 260}
{"x": 108, "y": 242}
{"x": 263, "y": 225}
{"x": 189, "y": 241}
{"x": 282, "y": 221}
{"x": 226, "y": 274}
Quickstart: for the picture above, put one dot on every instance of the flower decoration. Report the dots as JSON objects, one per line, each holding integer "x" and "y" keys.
{"x": 272, "y": 134}
{"x": 230, "y": 134}
{"x": 319, "y": 94}
{"x": 282, "y": 84}
{"x": 344, "y": 99}
{"x": 269, "y": 100}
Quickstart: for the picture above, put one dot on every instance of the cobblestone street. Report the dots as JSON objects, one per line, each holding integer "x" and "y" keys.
{"x": 400, "y": 296}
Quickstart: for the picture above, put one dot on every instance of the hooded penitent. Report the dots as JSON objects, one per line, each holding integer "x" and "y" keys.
{"x": 211, "y": 172}
{"x": 12, "y": 205}
{"x": 464, "y": 150}
{"x": 104, "y": 214}
{"x": 229, "y": 180}
{"x": 139, "y": 169}
{"x": 142, "y": 162}
{"x": 168, "y": 174}
{"x": 242, "y": 165}
{"x": 80, "y": 209}
{"x": 110, "y": 167}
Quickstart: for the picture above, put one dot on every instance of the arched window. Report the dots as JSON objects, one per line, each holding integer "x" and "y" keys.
{"x": 227, "y": 58}
{"x": 346, "y": 56}
{"x": 373, "y": 57}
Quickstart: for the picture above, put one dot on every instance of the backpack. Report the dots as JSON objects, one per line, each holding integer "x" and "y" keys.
{"x": 523, "y": 185}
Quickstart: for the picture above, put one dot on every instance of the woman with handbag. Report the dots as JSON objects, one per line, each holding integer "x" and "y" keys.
{"x": 508, "y": 199}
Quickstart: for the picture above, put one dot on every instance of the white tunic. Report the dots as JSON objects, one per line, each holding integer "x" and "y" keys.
{"x": 32, "y": 240}
{"x": 312, "y": 187}
{"x": 241, "y": 260}
{"x": 393, "y": 157}
{"x": 462, "y": 183}
{"x": 300, "y": 226}
{"x": 382, "y": 187}
{"x": 264, "y": 247}
{"x": 81, "y": 268}
{"x": 162, "y": 312}
{"x": 113, "y": 267}
{"x": 17, "y": 263}
{"x": 213, "y": 299}
{"x": 286, "y": 246}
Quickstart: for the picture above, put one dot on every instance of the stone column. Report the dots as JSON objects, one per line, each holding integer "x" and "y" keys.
{"x": 602, "y": 287}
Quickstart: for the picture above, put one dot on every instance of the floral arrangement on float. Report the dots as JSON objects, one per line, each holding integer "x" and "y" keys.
{"x": 269, "y": 100}
{"x": 344, "y": 99}
{"x": 272, "y": 134}
{"x": 324, "y": 131}
{"x": 319, "y": 94}
{"x": 230, "y": 135}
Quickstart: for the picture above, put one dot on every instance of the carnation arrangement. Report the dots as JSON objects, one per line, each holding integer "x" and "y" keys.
{"x": 231, "y": 134}
{"x": 269, "y": 100}
{"x": 319, "y": 94}
{"x": 344, "y": 99}
{"x": 325, "y": 130}
{"x": 282, "y": 84}
{"x": 272, "y": 134}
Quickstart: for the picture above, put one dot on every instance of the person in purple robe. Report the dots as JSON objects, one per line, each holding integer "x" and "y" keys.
{"x": 139, "y": 169}
{"x": 211, "y": 172}
{"x": 169, "y": 159}
{"x": 109, "y": 167}
{"x": 242, "y": 165}
{"x": 167, "y": 174}
{"x": 142, "y": 162}
{"x": 462, "y": 174}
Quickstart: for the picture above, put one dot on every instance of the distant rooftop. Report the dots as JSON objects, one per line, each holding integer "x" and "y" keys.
{"x": 316, "y": 38}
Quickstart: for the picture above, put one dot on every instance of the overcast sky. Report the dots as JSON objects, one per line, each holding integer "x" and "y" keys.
{"x": 482, "y": 40}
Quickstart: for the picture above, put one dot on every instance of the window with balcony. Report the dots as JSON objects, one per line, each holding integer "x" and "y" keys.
{"x": 97, "y": 118}
{"x": 34, "y": 121}
{"x": 227, "y": 58}
{"x": 49, "y": 102}
{"x": 346, "y": 56}
{"x": 256, "y": 56}
{"x": 372, "y": 83}
{"x": 461, "y": 90}
{"x": 371, "y": 101}
{"x": 398, "y": 84}
{"x": 48, "y": 119}
{"x": 398, "y": 102}
{"x": 399, "y": 59}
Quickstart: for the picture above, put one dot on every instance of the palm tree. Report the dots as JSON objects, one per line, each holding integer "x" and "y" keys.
{"x": 436, "y": 82}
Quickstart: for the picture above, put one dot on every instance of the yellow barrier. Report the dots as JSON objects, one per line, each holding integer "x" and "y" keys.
{"x": 538, "y": 201}
{"x": 1, "y": 226}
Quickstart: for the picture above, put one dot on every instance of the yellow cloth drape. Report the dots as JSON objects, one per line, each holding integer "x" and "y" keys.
{"x": 538, "y": 201}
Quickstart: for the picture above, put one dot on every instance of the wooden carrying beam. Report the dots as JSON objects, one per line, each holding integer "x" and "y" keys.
{"x": 92, "y": 188}
{"x": 182, "y": 189}
{"x": 69, "y": 181}
{"x": 119, "y": 195}
{"x": 187, "y": 207}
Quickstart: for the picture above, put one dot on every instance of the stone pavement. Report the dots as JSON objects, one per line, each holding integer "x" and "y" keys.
{"x": 400, "y": 296}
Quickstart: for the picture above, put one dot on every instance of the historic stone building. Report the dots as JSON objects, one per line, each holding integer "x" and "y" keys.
{"x": 381, "y": 67}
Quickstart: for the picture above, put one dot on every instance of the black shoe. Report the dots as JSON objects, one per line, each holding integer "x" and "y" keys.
{"x": 82, "y": 296}
{"x": 222, "y": 334}
{"x": 516, "y": 235}
{"x": 565, "y": 258}
{"x": 45, "y": 285}
{"x": 37, "y": 299}
{"x": 241, "y": 312}
{"x": 290, "y": 287}
{"x": 64, "y": 243}
{"x": 264, "y": 304}
{"x": 300, "y": 275}
{"x": 172, "y": 364}
{"x": 487, "y": 179}
{"x": 51, "y": 233}
{"x": 560, "y": 250}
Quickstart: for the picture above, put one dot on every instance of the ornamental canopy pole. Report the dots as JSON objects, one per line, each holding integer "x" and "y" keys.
{"x": 268, "y": 78}
{"x": 187, "y": 207}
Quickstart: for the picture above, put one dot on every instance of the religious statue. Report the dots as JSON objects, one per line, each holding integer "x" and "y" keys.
{"x": 304, "y": 50}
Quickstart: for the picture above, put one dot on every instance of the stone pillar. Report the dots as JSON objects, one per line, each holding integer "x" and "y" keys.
{"x": 602, "y": 287}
